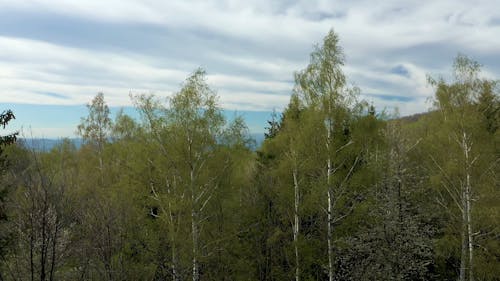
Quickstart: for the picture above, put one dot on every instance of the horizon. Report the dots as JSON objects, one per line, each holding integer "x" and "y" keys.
{"x": 55, "y": 56}
{"x": 31, "y": 119}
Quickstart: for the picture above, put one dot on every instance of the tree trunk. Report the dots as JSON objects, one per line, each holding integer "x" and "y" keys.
{"x": 43, "y": 245}
{"x": 469, "y": 234}
{"x": 194, "y": 229}
{"x": 329, "y": 237}
{"x": 175, "y": 274}
{"x": 54, "y": 250}
{"x": 467, "y": 149}
{"x": 463, "y": 256}
{"x": 296, "y": 225}
{"x": 329, "y": 195}
{"x": 32, "y": 241}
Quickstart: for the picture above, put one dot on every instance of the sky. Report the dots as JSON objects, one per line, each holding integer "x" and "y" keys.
{"x": 56, "y": 55}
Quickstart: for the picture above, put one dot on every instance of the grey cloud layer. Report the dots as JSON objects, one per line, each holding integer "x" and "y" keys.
{"x": 63, "y": 52}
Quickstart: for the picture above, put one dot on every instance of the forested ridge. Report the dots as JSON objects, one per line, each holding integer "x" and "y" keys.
{"x": 337, "y": 190}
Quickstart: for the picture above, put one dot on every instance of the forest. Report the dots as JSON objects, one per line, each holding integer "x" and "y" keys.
{"x": 337, "y": 190}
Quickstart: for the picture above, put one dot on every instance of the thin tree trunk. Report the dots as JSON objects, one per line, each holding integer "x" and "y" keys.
{"x": 174, "y": 265}
{"x": 101, "y": 167}
{"x": 32, "y": 243}
{"x": 108, "y": 253}
{"x": 43, "y": 246}
{"x": 463, "y": 256}
{"x": 329, "y": 237}
{"x": 54, "y": 245}
{"x": 469, "y": 234}
{"x": 194, "y": 229}
{"x": 400, "y": 226}
{"x": 296, "y": 225}
{"x": 467, "y": 148}
{"x": 329, "y": 130}
{"x": 175, "y": 274}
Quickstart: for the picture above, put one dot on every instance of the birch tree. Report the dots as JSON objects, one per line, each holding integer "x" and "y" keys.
{"x": 291, "y": 136}
{"x": 188, "y": 132}
{"x": 197, "y": 123}
{"x": 322, "y": 87}
{"x": 465, "y": 168}
{"x": 95, "y": 128}
{"x": 100, "y": 213}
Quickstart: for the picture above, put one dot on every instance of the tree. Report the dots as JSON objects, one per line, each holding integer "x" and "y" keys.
{"x": 291, "y": 169}
{"x": 101, "y": 213}
{"x": 95, "y": 128}
{"x": 464, "y": 158}
{"x": 488, "y": 103}
{"x": 322, "y": 88}
{"x": 190, "y": 163}
{"x": 5, "y": 118}
{"x": 396, "y": 240}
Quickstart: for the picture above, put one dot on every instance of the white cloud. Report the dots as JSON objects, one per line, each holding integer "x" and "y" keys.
{"x": 249, "y": 48}
{"x": 39, "y": 74}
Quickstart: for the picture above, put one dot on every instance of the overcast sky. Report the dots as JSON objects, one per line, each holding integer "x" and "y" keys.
{"x": 56, "y": 55}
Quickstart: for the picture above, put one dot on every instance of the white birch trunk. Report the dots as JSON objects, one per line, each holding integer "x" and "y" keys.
{"x": 329, "y": 210}
{"x": 467, "y": 253}
{"x": 329, "y": 190}
{"x": 194, "y": 214}
{"x": 467, "y": 206}
{"x": 329, "y": 237}
{"x": 463, "y": 257}
{"x": 194, "y": 229}
{"x": 469, "y": 233}
{"x": 175, "y": 274}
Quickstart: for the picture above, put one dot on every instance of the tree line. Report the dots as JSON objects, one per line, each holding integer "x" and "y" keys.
{"x": 337, "y": 191}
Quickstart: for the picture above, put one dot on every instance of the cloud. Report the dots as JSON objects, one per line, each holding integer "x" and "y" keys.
{"x": 44, "y": 73}
{"x": 64, "y": 52}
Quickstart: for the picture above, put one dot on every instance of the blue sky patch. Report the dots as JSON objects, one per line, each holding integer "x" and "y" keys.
{"x": 54, "y": 95}
{"x": 400, "y": 70}
{"x": 392, "y": 98}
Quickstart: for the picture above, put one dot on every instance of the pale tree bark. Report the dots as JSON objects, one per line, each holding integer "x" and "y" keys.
{"x": 329, "y": 226}
{"x": 462, "y": 196}
{"x": 194, "y": 229}
{"x": 175, "y": 274}
{"x": 194, "y": 212}
{"x": 463, "y": 256}
{"x": 322, "y": 84}
{"x": 171, "y": 189}
{"x": 167, "y": 215}
{"x": 466, "y": 146}
{"x": 329, "y": 171}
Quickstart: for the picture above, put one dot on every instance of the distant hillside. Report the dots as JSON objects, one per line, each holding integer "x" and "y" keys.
{"x": 43, "y": 144}
{"x": 413, "y": 118}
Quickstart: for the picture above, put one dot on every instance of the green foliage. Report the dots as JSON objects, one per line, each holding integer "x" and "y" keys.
{"x": 5, "y": 118}
{"x": 336, "y": 190}
{"x": 460, "y": 154}
{"x": 95, "y": 127}
{"x": 5, "y": 140}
